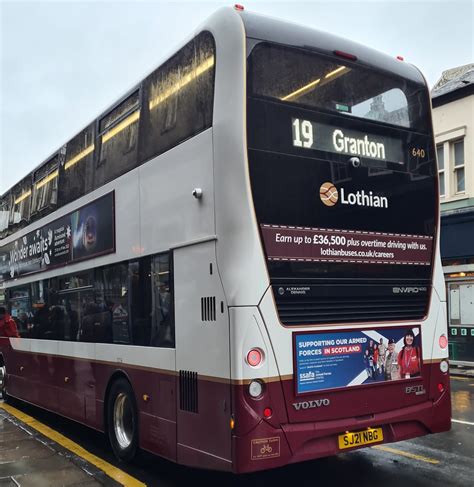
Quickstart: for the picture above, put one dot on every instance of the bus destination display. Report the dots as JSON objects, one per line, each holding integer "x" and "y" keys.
{"x": 318, "y": 136}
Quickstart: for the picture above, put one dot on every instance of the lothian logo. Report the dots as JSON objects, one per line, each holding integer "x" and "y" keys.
{"x": 330, "y": 195}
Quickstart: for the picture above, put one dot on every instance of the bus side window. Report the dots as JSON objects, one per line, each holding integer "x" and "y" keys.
{"x": 45, "y": 189}
{"x": 118, "y": 140}
{"x": 125, "y": 303}
{"x": 5, "y": 203}
{"x": 20, "y": 308}
{"x": 178, "y": 98}
{"x": 112, "y": 299}
{"x": 162, "y": 328}
{"x": 76, "y": 177}
{"x": 140, "y": 301}
{"x": 20, "y": 205}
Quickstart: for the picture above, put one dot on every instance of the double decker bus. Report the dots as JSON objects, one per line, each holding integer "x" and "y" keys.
{"x": 237, "y": 265}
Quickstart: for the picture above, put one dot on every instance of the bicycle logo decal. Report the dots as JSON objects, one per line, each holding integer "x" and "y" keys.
{"x": 264, "y": 448}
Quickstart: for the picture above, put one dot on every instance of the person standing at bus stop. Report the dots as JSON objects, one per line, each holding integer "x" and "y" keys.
{"x": 7, "y": 324}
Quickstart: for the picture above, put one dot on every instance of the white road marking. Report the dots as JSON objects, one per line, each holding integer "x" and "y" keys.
{"x": 462, "y": 422}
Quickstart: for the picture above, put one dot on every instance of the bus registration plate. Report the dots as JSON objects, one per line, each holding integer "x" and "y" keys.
{"x": 358, "y": 438}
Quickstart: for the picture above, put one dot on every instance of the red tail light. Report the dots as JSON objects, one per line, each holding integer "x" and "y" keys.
{"x": 441, "y": 387}
{"x": 443, "y": 341}
{"x": 239, "y": 7}
{"x": 254, "y": 357}
{"x": 267, "y": 412}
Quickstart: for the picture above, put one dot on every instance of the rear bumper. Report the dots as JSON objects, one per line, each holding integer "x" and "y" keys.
{"x": 267, "y": 447}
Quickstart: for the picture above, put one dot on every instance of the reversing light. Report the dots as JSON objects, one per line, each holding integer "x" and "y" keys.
{"x": 441, "y": 387}
{"x": 255, "y": 388}
{"x": 254, "y": 357}
{"x": 443, "y": 341}
{"x": 444, "y": 366}
{"x": 345, "y": 55}
{"x": 267, "y": 412}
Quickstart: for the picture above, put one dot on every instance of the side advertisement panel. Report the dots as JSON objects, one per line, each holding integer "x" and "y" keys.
{"x": 82, "y": 234}
{"x": 351, "y": 358}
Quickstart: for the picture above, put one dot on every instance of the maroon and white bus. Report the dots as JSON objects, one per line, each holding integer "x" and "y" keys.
{"x": 237, "y": 266}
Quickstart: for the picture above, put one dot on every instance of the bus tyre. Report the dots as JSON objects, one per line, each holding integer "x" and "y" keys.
{"x": 3, "y": 383}
{"x": 122, "y": 420}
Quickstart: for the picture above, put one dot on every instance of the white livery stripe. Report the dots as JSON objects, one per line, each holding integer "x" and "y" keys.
{"x": 133, "y": 355}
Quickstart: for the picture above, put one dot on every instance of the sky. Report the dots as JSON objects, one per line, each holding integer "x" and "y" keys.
{"x": 63, "y": 62}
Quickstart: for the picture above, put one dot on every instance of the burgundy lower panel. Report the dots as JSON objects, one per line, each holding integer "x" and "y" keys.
{"x": 201, "y": 459}
{"x": 204, "y": 438}
{"x": 158, "y": 435}
{"x": 356, "y": 401}
{"x": 76, "y": 389}
{"x": 75, "y": 385}
{"x": 20, "y": 368}
{"x": 260, "y": 444}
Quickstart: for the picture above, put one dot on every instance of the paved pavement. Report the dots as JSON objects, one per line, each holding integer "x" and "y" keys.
{"x": 30, "y": 459}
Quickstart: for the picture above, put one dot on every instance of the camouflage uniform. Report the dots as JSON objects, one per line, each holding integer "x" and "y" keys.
{"x": 391, "y": 366}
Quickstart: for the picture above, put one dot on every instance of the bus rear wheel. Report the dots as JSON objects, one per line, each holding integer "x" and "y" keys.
{"x": 3, "y": 382}
{"x": 122, "y": 420}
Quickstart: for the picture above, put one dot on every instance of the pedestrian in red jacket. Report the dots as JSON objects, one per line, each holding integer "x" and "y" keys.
{"x": 7, "y": 324}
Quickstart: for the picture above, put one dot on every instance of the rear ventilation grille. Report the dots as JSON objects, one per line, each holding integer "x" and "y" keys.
{"x": 208, "y": 309}
{"x": 350, "y": 304}
{"x": 188, "y": 391}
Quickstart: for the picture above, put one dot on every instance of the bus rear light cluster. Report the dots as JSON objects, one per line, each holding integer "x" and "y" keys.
{"x": 443, "y": 341}
{"x": 255, "y": 357}
{"x": 256, "y": 389}
{"x": 444, "y": 366}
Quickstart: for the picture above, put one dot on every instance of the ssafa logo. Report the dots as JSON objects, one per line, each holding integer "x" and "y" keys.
{"x": 329, "y": 195}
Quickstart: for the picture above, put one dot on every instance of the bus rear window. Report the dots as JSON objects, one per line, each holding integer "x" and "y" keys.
{"x": 321, "y": 82}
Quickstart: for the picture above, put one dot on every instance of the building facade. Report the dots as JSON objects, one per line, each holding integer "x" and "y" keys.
{"x": 453, "y": 120}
